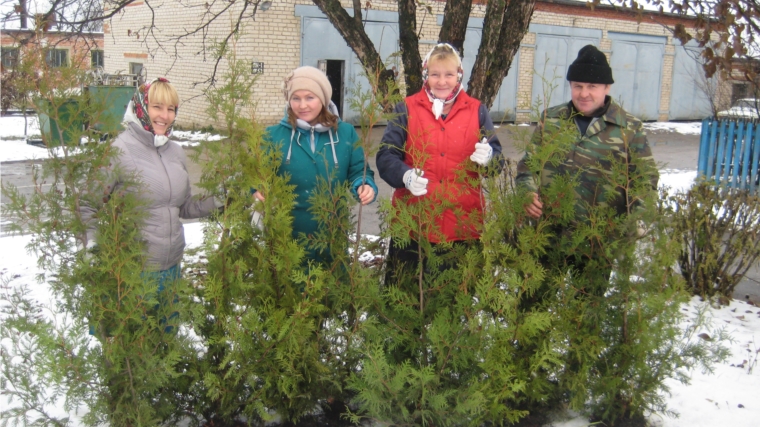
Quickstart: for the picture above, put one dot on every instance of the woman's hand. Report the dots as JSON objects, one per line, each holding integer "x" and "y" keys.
{"x": 258, "y": 196}
{"x": 535, "y": 208}
{"x": 366, "y": 194}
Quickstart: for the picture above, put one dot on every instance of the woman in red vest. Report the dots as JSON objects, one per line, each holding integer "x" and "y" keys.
{"x": 434, "y": 148}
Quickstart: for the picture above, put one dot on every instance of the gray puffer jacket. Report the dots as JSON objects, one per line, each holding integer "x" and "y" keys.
{"x": 166, "y": 189}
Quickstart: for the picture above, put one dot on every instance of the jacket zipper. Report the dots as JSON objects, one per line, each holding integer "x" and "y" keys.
{"x": 168, "y": 179}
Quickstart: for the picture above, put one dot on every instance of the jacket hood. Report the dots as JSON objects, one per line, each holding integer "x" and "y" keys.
{"x": 307, "y": 130}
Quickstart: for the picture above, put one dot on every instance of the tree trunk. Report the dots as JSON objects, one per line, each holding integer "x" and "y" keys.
{"x": 454, "y": 27}
{"x": 410, "y": 47}
{"x": 353, "y": 33}
{"x": 504, "y": 26}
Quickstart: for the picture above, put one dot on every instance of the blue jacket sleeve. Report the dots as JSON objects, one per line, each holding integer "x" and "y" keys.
{"x": 487, "y": 129}
{"x": 390, "y": 156}
{"x": 356, "y": 170}
{"x": 358, "y": 182}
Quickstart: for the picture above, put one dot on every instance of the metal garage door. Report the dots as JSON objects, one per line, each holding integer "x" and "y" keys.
{"x": 556, "y": 48}
{"x": 321, "y": 41}
{"x": 636, "y": 63}
{"x": 689, "y": 99}
{"x": 505, "y": 103}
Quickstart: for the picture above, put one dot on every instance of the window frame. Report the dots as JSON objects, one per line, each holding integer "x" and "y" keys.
{"x": 4, "y": 55}
{"x": 101, "y": 54}
{"x": 55, "y": 62}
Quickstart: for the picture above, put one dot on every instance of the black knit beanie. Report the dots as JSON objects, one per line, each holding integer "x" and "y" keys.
{"x": 590, "y": 67}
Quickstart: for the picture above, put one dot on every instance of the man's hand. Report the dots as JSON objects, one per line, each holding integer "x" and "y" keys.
{"x": 483, "y": 152}
{"x": 366, "y": 194}
{"x": 415, "y": 183}
{"x": 534, "y": 209}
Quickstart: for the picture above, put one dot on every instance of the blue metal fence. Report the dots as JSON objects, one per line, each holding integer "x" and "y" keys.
{"x": 729, "y": 153}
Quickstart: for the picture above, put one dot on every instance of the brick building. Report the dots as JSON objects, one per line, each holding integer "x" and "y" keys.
{"x": 655, "y": 76}
{"x": 62, "y": 49}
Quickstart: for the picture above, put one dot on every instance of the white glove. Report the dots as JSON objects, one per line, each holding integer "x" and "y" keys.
{"x": 641, "y": 228}
{"x": 257, "y": 220}
{"x": 483, "y": 152}
{"x": 415, "y": 183}
{"x": 257, "y": 215}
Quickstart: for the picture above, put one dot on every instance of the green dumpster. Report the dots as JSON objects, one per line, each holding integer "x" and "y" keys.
{"x": 111, "y": 101}
{"x": 69, "y": 118}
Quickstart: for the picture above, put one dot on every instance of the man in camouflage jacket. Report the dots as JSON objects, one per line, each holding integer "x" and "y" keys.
{"x": 604, "y": 128}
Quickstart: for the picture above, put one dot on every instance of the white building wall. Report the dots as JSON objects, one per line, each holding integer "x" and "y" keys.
{"x": 274, "y": 38}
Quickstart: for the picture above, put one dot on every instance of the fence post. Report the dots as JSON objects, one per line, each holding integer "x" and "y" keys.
{"x": 711, "y": 146}
{"x": 721, "y": 152}
{"x": 728, "y": 168}
{"x": 755, "y": 158}
{"x": 746, "y": 165}
{"x": 704, "y": 140}
{"x": 737, "y": 166}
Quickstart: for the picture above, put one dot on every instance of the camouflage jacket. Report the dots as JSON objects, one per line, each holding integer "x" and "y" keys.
{"x": 616, "y": 132}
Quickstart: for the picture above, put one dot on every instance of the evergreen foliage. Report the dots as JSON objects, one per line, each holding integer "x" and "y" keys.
{"x": 524, "y": 320}
{"x": 120, "y": 372}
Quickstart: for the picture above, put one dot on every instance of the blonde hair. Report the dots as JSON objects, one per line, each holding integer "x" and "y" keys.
{"x": 444, "y": 52}
{"x": 163, "y": 93}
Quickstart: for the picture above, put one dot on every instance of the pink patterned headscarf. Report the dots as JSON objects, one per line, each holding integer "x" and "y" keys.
{"x": 140, "y": 104}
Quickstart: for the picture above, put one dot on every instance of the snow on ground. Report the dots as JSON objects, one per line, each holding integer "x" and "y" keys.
{"x": 14, "y": 127}
{"x": 685, "y": 128}
{"x": 726, "y": 398}
{"x": 13, "y": 146}
{"x": 193, "y": 138}
{"x": 677, "y": 180}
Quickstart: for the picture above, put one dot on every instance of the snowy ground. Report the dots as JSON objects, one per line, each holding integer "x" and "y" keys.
{"x": 13, "y": 146}
{"x": 726, "y": 398}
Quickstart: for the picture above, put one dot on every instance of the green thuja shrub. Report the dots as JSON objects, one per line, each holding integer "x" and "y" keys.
{"x": 623, "y": 331}
{"x": 119, "y": 373}
{"x": 281, "y": 331}
{"x": 718, "y": 229}
{"x": 253, "y": 318}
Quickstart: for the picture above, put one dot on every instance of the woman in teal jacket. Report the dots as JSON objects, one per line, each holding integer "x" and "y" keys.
{"x": 316, "y": 143}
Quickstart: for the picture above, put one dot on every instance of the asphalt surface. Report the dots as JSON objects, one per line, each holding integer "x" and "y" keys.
{"x": 671, "y": 151}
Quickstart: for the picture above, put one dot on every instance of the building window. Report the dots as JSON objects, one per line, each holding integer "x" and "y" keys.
{"x": 9, "y": 57}
{"x": 135, "y": 68}
{"x": 57, "y": 57}
{"x": 97, "y": 58}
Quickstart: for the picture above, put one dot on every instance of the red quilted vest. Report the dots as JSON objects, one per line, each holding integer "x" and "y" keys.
{"x": 442, "y": 149}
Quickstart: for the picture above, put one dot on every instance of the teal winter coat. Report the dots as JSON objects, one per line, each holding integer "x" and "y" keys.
{"x": 336, "y": 157}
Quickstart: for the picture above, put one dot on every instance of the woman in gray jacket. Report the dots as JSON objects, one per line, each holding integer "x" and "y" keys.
{"x": 145, "y": 152}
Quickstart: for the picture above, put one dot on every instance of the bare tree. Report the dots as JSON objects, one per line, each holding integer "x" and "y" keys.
{"x": 725, "y": 29}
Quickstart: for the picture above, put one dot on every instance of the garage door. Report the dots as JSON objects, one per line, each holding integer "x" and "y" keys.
{"x": 636, "y": 63}
{"x": 321, "y": 41}
{"x": 505, "y": 103}
{"x": 556, "y": 48}
{"x": 690, "y": 95}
